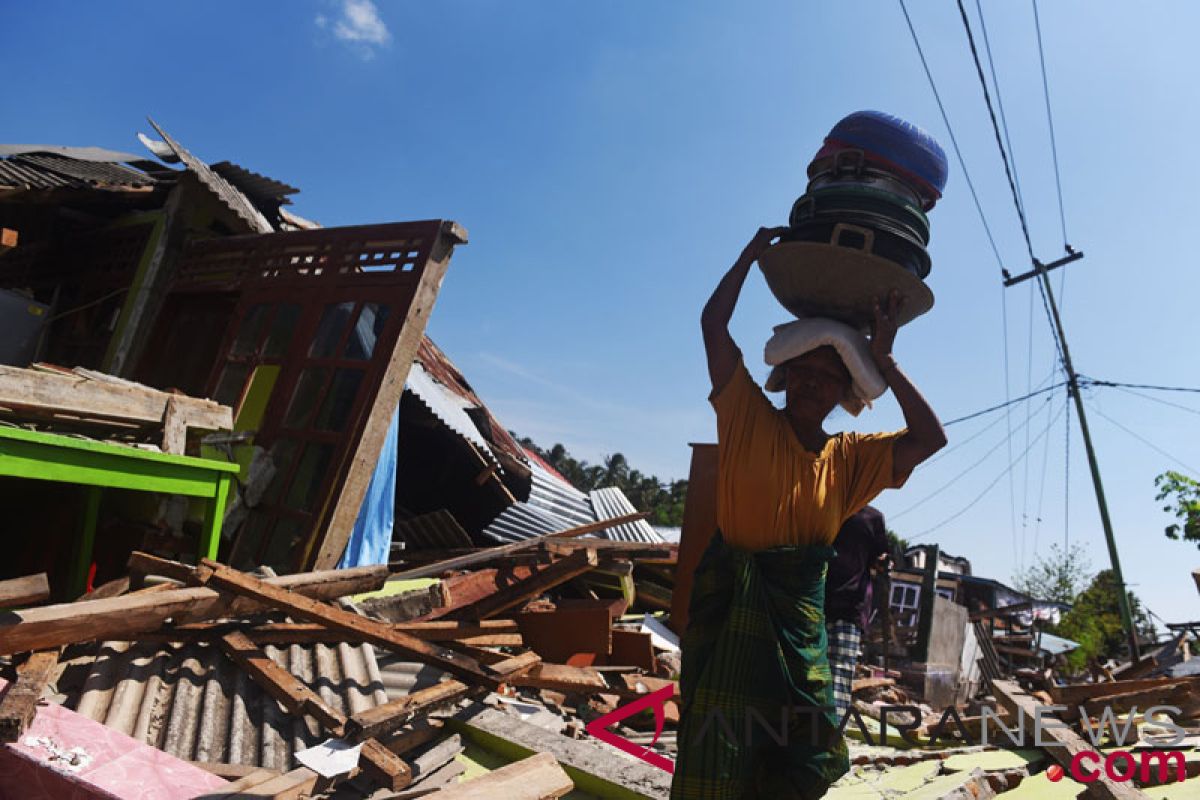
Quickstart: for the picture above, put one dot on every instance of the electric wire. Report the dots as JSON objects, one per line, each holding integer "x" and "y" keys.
{"x": 1003, "y": 405}
{"x": 961, "y": 474}
{"x": 1062, "y": 215}
{"x": 987, "y": 48}
{"x": 953, "y": 139}
{"x": 1067, "y": 477}
{"x": 1037, "y": 525}
{"x": 1195, "y": 472}
{"x": 1158, "y": 400}
{"x": 986, "y": 489}
{"x": 1151, "y": 387}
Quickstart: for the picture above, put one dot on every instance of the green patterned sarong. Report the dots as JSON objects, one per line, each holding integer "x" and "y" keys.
{"x": 758, "y": 717}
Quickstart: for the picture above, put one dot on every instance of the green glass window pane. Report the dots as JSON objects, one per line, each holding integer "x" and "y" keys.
{"x": 302, "y": 495}
{"x": 304, "y": 398}
{"x": 339, "y": 400}
{"x": 250, "y": 332}
{"x": 282, "y": 328}
{"x": 360, "y": 344}
{"x": 229, "y": 387}
{"x": 333, "y": 322}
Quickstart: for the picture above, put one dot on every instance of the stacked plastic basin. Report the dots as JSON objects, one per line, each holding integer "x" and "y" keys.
{"x": 860, "y": 229}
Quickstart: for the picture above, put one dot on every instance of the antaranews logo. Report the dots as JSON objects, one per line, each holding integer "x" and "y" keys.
{"x": 1118, "y": 765}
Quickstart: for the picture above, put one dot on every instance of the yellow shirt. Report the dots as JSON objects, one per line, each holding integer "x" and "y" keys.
{"x": 771, "y": 490}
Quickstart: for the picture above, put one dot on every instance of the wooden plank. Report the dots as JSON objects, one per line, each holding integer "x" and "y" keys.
{"x": 388, "y": 717}
{"x": 125, "y": 617}
{"x": 8, "y": 239}
{"x": 77, "y": 395}
{"x": 234, "y": 772}
{"x": 563, "y": 678}
{"x": 436, "y": 757}
{"x": 25, "y": 590}
{"x": 540, "y": 581}
{"x": 1080, "y": 693}
{"x": 142, "y": 564}
{"x": 1181, "y": 695}
{"x": 282, "y": 685}
{"x": 489, "y": 633}
{"x": 237, "y": 788}
{"x": 538, "y": 777}
{"x": 348, "y": 500}
{"x": 484, "y": 556}
{"x": 19, "y": 704}
{"x": 1069, "y": 743}
{"x": 369, "y": 630}
{"x": 289, "y": 786}
{"x": 1136, "y": 669}
{"x": 383, "y": 766}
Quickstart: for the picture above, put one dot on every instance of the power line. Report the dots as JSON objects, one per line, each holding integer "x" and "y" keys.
{"x": 1067, "y": 480}
{"x": 987, "y": 47}
{"x": 1151, "y": 387}
{"x": 953, "y": 139}
{"x": 1037, "y": 527}
{"x": 1158, "y": 400}
{"x": 986, "y": 489}
{"x": 961, "y": 474}
{"x": 1195, "y": 472}
{"x": 1062, "y": 216}
{"x": 1005, "y": 404}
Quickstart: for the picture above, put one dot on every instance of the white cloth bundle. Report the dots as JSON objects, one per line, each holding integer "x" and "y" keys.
{"x": 803, "y": 335}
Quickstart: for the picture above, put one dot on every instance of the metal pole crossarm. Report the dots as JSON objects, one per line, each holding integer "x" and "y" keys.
{"x": 1072, "y": 255}
{"x": 1040, "y": 270}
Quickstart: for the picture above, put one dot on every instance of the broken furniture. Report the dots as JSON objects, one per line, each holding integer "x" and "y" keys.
{"x": 53, "y": 457}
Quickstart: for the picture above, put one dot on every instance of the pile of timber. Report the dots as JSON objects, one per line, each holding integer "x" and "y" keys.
{"x": 541, "y": 623}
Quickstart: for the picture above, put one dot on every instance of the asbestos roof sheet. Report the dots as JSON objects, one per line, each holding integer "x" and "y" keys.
{"x": 49, "y": 171}
{"x": 194, "y": 703}
{"x": 252, "y": 183}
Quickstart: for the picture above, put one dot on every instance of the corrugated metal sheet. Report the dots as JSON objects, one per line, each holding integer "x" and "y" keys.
{"x": 237, "y": 202}
{"x": 194, "y": 703}
{"x": 79, "y": 153}
{"x": 252, "y": 183}
{"x": 609, "y": 503}
{"x": 437, "y": 530}
{"x": 446, "y": 406}
{"x": 552, "y": 493}
{"x": 522, "y": 521}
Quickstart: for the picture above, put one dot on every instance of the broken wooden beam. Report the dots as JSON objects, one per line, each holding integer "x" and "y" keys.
{"x": 538, "y": 777}
{"x": 19, "y": 704}
{"x": 563, "y": 678}
{"x": 486, "y": 555}
{"x": 388, "y": 717}
{"x": 1067, "y": 742}
{"x": 124, "y": 617}
{"x": 291, "y": 692}
{"x": 540, "y": 581}
{"x": 1079, "y": 693}
{"x": 25, "y": 590}
{"x": 369, "y": 630}
{"x": 487, "y": 633}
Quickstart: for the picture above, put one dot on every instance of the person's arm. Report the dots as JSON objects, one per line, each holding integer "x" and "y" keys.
{"x": 925, "y": 435}
{"x": 721, "y": 350}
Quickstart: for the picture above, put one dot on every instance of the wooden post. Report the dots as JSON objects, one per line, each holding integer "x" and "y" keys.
{"x": 928, "y": 592}
{"x": 387, "y": 399}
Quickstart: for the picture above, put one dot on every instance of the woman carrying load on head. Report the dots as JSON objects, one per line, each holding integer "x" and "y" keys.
{"x": 758, "y": 717}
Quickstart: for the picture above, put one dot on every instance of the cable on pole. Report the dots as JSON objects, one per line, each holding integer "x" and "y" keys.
{"x": 953, "y": 139}
{"x": 1062, "y": 215}
{"x": 1195, "y": 472}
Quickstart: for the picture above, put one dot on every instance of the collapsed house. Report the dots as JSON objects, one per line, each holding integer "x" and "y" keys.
{"x": 297, "y": 555}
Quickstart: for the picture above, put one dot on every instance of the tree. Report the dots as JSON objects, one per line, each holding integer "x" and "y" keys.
{"x": 1184, "y": 494}
{"x": 1059, "y": 577}
{"x": 663, "y": 500}
{"x": 897, "y": 544}
{"x": 1095, "y": 621}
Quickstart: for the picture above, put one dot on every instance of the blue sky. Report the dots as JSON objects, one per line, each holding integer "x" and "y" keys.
{"x": 611, "y": 159}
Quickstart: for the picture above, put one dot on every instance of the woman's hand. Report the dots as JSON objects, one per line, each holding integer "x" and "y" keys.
{"x": 760, "y": 242}
{"x": 883, "y": 331}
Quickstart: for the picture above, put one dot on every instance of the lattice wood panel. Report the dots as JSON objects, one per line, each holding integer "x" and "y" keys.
{"x": 325, "y": 319}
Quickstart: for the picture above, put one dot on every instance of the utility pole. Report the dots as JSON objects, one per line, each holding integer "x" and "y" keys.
{"x": 1040, "y": 271}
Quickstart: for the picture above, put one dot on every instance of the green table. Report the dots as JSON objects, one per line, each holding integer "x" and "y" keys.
{"x": 54, "y": 457}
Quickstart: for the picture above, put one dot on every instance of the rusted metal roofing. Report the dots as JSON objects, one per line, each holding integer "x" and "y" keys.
{"x": 194, "y": 703}
{"x": 439, "y": 367}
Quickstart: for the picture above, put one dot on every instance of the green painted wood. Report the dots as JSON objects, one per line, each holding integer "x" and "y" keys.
{"x": 53, "y": 457}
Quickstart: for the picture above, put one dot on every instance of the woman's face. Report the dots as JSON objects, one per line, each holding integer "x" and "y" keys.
{"x": 816, "y": 382}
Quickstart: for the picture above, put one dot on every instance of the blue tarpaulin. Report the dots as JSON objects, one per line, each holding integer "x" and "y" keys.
{"x": 371, "y": 540}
